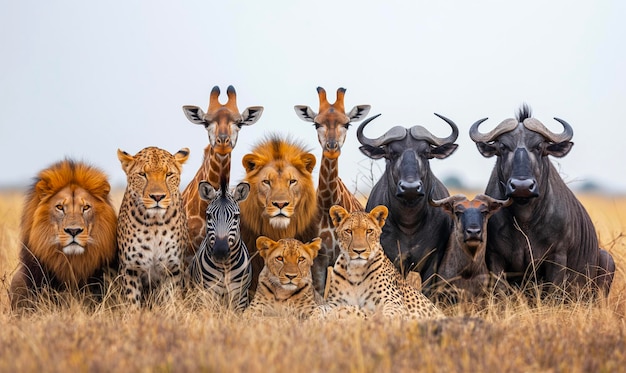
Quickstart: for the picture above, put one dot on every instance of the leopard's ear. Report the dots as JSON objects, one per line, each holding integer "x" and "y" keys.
{"x": 338, "y": 214}
{"x": 265, "y": 245}
{"x": 379, "y": 214}
{"x": 313, "y": 247}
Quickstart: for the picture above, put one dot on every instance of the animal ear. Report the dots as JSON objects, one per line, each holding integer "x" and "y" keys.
{"x": 373, "y": 152}
{"x": 358, "y": 112}
{"x": 379, "y": 214}
{"x": 126, "y": 160}
{"x": 559, "y": 149}
{"x": 338, "y": 214}
{"x": 194, "y": 114}
{"x": 305, "y": 113}
{"x": 250, "y": 162}
{"x": 241, "y": 191}
{"x": 309, "y": 161}
{"x": 182, "y": 155}
{"x": 313, "y": 247}
{"x": 487, "y": 150}
{"x": 442, "y": 151}
{"x": 264, "y": 245}
{"x": 251, "y": 115}
{"x": 206, "y": 191}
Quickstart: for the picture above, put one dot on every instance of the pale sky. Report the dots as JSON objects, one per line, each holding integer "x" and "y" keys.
{"x": 81, "y": 79}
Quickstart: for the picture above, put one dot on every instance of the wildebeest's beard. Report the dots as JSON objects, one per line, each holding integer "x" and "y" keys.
{"x": 522, "y": 184}
{"x": 409, "y": 185}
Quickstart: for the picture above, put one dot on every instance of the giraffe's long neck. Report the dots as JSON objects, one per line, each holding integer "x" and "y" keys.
{"x": 328, "y": 189}
{"x": 218, "y": 166}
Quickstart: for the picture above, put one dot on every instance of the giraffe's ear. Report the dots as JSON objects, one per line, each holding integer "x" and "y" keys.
{"x": 251, "y": 115}
{"x": 206, "y": 191}
{"x": 194, "y": 114}
{"x": 358, "y": 112}
{"x": 305, "y": 113}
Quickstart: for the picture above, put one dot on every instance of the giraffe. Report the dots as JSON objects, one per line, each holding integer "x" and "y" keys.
{"x": 222, "y": 122}
{"x": 331, "y": 124}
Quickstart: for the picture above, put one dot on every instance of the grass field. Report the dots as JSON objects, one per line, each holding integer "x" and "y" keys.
{"x": 507, "y": 336}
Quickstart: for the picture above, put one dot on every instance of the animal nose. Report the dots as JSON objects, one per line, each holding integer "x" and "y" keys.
{"x": 291, "y": 277}
{"x": 280, "y": 204}
{"x": 332, "y": 145}
{"x": 222, "y": 140}
{"x": 410, "y": 189}
{"x": 522, "y": 188}
{"x": 73, "y": 231}
{"x": 157, "y": 197}
{"x": 473, "y": 232}
{"x": 358, "y": 251}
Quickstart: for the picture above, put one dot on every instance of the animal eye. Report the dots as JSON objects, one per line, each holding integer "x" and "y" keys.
{"x": 170, "y": 173}
{"x": 348, "y": 231}
{"x": 279, "y": 259}
{"x": 142, "y": 174}
{"x": 86, "y": 208}
{"x": 369, "y": 231}
{"x": 301, "y": 259}
{"x": 504, "y": 147}
{"x": 266, "y": 182}
{"x": 59, "y": 207}
{"x": 317, "y": 125}
{"x": 292, "y": 181}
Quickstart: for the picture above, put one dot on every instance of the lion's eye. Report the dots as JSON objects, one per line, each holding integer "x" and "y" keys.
{"x": 59, "y": 207}
{"x": 301, "y": 259}
{"x": 169, "y": 174}
{"x": 266, "y": 182}
{"x": 279, "y": 259}
{"x": 292, "y": 181}
{"x": 86, "y": 208}
{"x": 348, "y": 231}
{"x": 370, "y": 230}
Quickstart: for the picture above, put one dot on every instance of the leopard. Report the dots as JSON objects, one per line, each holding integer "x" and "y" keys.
{"x": 364, "y": 277}
{"x": 285, "y": 284}
{"x": 152, "y": 232}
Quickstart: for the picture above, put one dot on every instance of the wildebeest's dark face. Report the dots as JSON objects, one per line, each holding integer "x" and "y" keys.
{"x": 522, "y": 147}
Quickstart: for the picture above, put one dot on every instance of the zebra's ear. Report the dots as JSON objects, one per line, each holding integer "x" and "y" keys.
{"x": 241, "y": 191}
{"x": 206, "y": 191}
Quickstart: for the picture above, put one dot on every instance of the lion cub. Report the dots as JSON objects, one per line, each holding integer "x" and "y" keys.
{"x": 285, "y": 283}
{"x": 364, "y": 277}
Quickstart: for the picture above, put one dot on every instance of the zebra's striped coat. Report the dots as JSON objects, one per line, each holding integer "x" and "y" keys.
{"x": 222, "y": 264}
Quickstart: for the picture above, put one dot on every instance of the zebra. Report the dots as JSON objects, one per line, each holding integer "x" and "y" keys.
{"x": 222, "y": 264}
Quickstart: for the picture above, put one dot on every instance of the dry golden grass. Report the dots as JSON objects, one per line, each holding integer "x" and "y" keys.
{"x": 507, "y": 336}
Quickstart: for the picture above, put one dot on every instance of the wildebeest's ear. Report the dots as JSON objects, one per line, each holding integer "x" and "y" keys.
{"x": 373, "y": 152}
{"x": 194, "y": 114}
{"x": 305, "y": 113}
{"x": 379, "y": 214}
{"x": 206, "y": 191}
{"x": 487, "y": 150}
{"x": 313, "y": 247}
{"x": 264, "y": 245}
{"x": 241, "y": 191}
{"x": 442, "y": 151}
{"x": 559, "y": 149}
{"x": 338, "y": 214}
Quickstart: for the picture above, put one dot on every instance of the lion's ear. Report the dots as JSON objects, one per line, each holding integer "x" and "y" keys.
{"x": 338, "y": 214}
{"x": 126, "y": 160}
{"x": 264, "y": 245}
{"x": 309, "y": 161}
{"x": 313, "y": 247}
{"x": 251, "y": 162}
{"x": 379, "y": 214}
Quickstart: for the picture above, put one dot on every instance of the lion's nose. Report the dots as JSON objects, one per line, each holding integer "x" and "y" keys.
{"x": 73, "y": 231}
{"x": 291, "y": 277}
{"x": 281, "y": 204}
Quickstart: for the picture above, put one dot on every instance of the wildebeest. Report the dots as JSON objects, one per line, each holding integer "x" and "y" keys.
{"x": 463, "y": 268}
{"x": 416, "y": 233}
{"x": 545, "y": 236}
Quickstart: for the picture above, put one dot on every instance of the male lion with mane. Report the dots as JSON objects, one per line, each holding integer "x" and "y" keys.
{"x": 282, "y": 201}
{"x": 67, "y": 232}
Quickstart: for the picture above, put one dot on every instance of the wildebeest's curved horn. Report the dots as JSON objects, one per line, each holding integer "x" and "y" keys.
{"x": 490, "y": 200}
{"x": 451, "y": 199}
{"x": 505, "y": 126}
{"x": 421, "y": 133}
{"x": 536, "y": 126}
{"x": 396, "y": 133}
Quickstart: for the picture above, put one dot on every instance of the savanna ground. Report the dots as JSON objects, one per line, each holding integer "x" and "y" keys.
{"x": 511, "y": 335}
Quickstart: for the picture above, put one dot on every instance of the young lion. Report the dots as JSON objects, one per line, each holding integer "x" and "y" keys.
{"x": 285, "y": 283}
{"x": 364, "y": 277}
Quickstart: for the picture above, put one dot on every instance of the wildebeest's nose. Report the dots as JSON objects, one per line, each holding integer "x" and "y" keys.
{"x": 410, "y": 189}
{"x": 521, "y": 188}
{"x": 473, "y": 232}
